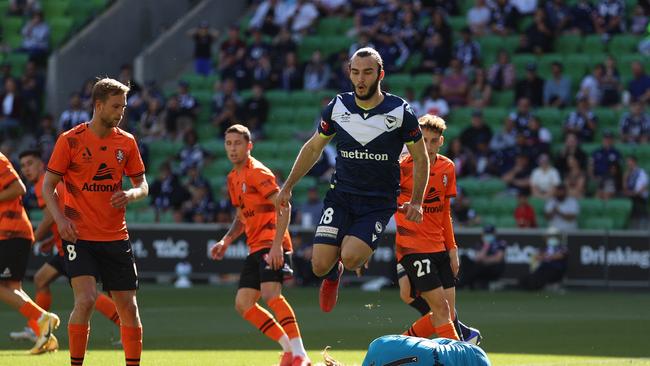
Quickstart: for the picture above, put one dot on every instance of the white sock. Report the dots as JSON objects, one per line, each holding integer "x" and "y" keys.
{"x": 297, "y": 348}
{"x": 284, "y": 342}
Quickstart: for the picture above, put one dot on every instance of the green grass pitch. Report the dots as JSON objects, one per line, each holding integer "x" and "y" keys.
{"x": 199, "y": 326}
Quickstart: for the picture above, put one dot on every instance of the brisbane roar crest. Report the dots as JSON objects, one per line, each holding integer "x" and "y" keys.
{"x": 119, "y": 155}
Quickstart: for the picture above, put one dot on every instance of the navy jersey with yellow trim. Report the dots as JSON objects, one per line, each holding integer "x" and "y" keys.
{"x": 369, "y": 143}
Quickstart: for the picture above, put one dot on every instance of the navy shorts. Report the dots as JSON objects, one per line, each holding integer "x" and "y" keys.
{"x": 348, "y": 214}
{"x": 111, "y": 262}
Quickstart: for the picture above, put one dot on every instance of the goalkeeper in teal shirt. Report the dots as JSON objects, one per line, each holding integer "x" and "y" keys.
{"x": 396, "y": 350}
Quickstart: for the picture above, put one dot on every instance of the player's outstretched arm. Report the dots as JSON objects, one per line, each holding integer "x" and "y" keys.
{"x": 307, "y": 157}
{"x": 218, "y": 250}
{"x": 66, "y": 227}
{"x": 14, "y": 190}
{"x": 276, "y": 256}
{"x": 413, "y": 209}
{"x": 44, "y": 226}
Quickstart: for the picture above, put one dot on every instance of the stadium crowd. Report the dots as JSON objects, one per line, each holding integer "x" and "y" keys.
{"x": 262, "y": 54}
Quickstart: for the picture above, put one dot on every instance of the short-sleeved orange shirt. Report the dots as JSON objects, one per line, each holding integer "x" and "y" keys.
{"x": 14, "y": 222}
{"x": 250, "y": 189}
{"x": 429, "y": 236}
{"x": 60, "y": 189}
{"x": 92, "y": 169}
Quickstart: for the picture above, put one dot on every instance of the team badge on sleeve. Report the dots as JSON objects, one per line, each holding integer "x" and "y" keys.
{"x": 444, "y": 180}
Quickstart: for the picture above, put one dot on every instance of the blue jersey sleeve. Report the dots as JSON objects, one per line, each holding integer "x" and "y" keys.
{"x": 411, "y": 131}
{"x": 327, "y": 127}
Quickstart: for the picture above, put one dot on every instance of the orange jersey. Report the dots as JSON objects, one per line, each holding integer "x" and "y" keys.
{"x": 60, "y": 189}
{"x": 435, "y": 233}
{"x": 92, "y": 169}
{"x": 250, "y": 189}
{"x": 14, "y": 222}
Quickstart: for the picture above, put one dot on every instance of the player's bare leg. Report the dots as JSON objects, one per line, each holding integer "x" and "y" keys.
{"x": 354, "y": 252}
{"x": 130, "y": 327}
{"x": 247, "y": 306}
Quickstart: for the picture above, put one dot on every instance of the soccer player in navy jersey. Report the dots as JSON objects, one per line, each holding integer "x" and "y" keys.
{"x": 371, "y": 128}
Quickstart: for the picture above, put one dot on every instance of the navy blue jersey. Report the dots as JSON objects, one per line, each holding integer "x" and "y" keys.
{"x": 369, "y": 143}
{"x": 413, "y": 351}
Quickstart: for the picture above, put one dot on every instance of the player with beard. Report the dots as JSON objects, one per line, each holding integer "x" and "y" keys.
{"x": 92, "y": 159}
{"x": 371, "y": 128}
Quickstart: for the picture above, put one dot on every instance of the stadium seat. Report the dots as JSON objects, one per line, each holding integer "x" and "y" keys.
{"x": 598, "y": 223}
{"x": 305, "y": 117}
{"x": 506, "y": 221}
{"x": 413, "y": 62}
{"x": 457, "y": 23}
{"x": 305, "y": 98}
{"x": 593, "y": 44}
{"x": 503, "y": 98}
{"x": 549, "y": 116}
{"x": 398, "y": 81}
{"x": 623, "y": 44}
{"x": 55, "y": 8}
{"x": 494, "y": 116}
{"x": 619, "y": 210}
{"x": 146, "y": 216}
{"x": 12, "y": 24}
{"x": 520, "y": 61}
{"x": 421, "y": 82}
{"x": 164, "y": 148}
{"x": 60, "y": 27}
{"x": 460, "y": 117}
{"x": 281, "y": 115}
{"x": 568, "y": 43}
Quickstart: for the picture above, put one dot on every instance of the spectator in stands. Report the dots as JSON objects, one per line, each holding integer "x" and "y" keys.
{"x": 332, "y": 7}
{"x": 435, "y": 56}
{"x": 223, "y": 92}
{"x": 609, "y": 17}
{"x": 224, "y": 208}
{"x": 454, "y": 85}
{"x": 256, "y": 109}
{"x": 557, "y": 88}
{"x": 440, "y": 24}
{"x": 503, "y": 17}
{"x": 639, "y": 86}
{"x": 415, "y": 102}
{"x": 126, "y": 77}
{"x": 467, "y": 50}
{"x": 262, "y": 73}
{"x": 257, "y": 49}
{"x": 518, "y": 178}
{"x": 610, "y": 185}
{"x": 36, "y": 38}
{"x": 200, "y": 208}
{"x": 203, "y": 37}
{"x": 316, "y": 74}
{"x": 166, "y": 192}
{"x": 281, "y": 45}
{"x": 521, "y": 116}
{"x": 604, "y": 156}
{"x": 538, "y": 137}
{"x": 23, "y": 7}
{"x": 192, "y": 154}
{"x": 363, "y": 40}
{"x": 233, "y": 49}
{"x": 583, "y": 121}
{"x": 524, "y": 212}
{"x": 462, "y": 158}
{"x": 11, "y": 100}
{"x": 501, "y": 74}
{"x": 478, "y": 18}
{"x": 480, "y": 91}
{"x": 86, "y": 94}
{"x": 476, "y": 133}
{"x": 291, "y": 77}
{"x": 152, "y": 123}
{"x": 175, "y": 124}
{"x": 6, "y": 72}
{"x": 366, "y": 17}
{"x": 408, "y": 30}
{"x": 487, "y": 264}
{"x": 639, "y": 21}
{"x": 549, "y": 265}
{"x": 271, "y": 15}
{"x": 591, "y": 86}
{"x": 610, "y": 84}
{"x": 303, "y": 17}
{"x": 544, "y": 178}
{"x": 506, "y": 138}
{"x": 582, "y": 17}
{"x": 186, "y": 102}
{"x": 540, "y": 34}
{"x": 74, "y": 115}
{"x": 389, "y": 45}
{"x": 574, "y": 178}
{"x": 310, "y": 211}
{"x": 462, "y": 212}
{"x": 531, "y": 87}
{"x": 46, "y": 134}
{"x": 434, "y": 103}
{"x": 635, "y": 124}
{"x": 558, "y": 15}
{"x": 636, "y": 188}
{"x": 32, "y": 88}
{"x": 228, "y": 116}
{"x": 571, "y": 148}
{"x": 562, "y": 211}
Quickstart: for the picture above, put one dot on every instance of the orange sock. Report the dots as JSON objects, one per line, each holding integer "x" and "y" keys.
{"x": 132, "y": 343}
{"x": 422, "y": 327}
{"x": 30, "y": 310}
{"x": 44, "y": 300}
{"x": 263, "y": 320}
{"x": 285, "y": 315}
{"x": 447, "y": 330}
{"x": 78, "y": 335}
{"x": 106, "y": 306}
